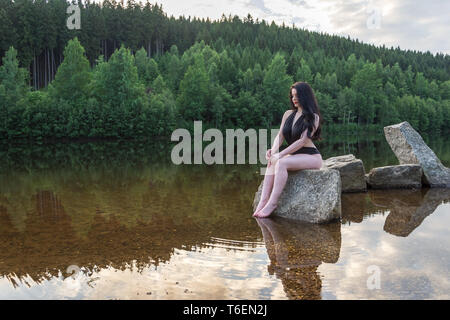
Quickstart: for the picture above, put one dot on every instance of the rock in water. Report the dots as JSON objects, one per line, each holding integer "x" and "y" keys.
{"x": 312, "y": 195}
{"x": 351, "y": 170}
{"x": 399, "y": 176}
{"x": 410, "y": 148}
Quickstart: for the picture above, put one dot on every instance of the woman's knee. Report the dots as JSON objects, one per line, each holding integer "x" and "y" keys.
{"x": 319, "y": 162}
{"x": 280, "y": 165}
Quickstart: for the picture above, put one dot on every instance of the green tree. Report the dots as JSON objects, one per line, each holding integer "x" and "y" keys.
{"x": 304, "y": 72}
{"x": 119, "y": 92}
{"x": 160, "y": 117}
{"x": 147, "y": 67}
{"x": 276, "y": 86}
{"x": 72, "y": 79}
{"x": 194, "y": 92}
{"x": 367, "y": 86}
{"x": 13, "y": 87}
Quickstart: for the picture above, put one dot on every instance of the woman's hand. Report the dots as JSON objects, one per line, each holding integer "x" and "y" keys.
{"x": 274, "y": 158}
{"x": 268, "y": 154}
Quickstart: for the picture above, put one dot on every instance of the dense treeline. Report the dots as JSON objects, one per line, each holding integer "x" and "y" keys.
{"x": 136, "y": 72}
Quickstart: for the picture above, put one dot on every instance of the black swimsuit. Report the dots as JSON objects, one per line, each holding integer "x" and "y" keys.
{"x": 293, "y": 134}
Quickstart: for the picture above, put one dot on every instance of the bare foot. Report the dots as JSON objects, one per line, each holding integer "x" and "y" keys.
{"x": 261, "y": 205}
{"x": 266, "y": 211}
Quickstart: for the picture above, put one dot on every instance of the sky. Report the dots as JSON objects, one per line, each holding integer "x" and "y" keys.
{"x": 409, "y": 24}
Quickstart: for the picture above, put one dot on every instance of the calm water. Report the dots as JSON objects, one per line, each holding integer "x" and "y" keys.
{"x": 139, "y": 227}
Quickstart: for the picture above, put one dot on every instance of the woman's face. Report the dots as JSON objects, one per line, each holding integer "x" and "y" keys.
{"x": 294, "y": 97}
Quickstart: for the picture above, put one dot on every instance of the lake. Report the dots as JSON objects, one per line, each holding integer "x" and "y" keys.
{"x": 129, "y": 224}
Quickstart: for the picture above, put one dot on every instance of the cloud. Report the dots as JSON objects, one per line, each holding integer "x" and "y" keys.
{"x": 410, "y": 24}
{"x": 414, "y": 25}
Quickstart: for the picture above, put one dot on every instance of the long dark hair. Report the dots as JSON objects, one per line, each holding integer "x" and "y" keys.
{"x": 309, "y": 105}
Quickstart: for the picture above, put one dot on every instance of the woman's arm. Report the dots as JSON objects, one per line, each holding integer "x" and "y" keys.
{"x": 279, "y": 139}
{"x": 302, "y": 141}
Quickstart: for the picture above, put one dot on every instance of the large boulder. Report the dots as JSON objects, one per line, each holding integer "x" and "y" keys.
{"x": 409, "y": 147}
{"x": 312, "y": 195}
{"x": 351, "y": 170}
{"x": 400, "y": 176}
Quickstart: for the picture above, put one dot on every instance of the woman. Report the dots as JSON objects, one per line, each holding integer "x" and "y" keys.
{"x": 299, "y": 127}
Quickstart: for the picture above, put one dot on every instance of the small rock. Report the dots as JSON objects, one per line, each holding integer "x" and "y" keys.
{"x": 400, "y": 176}
{"x": 351, "y": 171}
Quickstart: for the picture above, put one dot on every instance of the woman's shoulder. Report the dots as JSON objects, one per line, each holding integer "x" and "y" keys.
{"x": 287, "y": 113}
{"x": 316, "y": 117}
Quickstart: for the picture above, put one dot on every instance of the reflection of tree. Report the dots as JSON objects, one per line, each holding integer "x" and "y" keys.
{"x": 296, "y": 250}
{"x": 113, "y": 203}
{"x": 355, "y": 206}
{"x": 49, "y": 242}
{"x": 128, "y": 183}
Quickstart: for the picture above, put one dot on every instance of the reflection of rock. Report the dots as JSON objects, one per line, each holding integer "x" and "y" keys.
{"x": 309, "y": 195}
{"x": 354, "y": 207}
{"x": 404, "y": 219}
{"x": 296, "y": 249}
{"x": 351, "y": 171}
{"x": 388, "y": 199}
{"x": 409, "y": 147}
{"x": 399, "y": 176}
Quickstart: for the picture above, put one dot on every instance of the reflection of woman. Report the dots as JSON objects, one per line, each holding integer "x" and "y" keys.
{"x": 299, "y": 127}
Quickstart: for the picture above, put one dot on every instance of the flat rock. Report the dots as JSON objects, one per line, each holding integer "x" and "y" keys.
{"x": 312, "y": 195}
{"x": 409, "y": 148}
{"x": 351, "y": 170}
{"x": 399, "y": 176}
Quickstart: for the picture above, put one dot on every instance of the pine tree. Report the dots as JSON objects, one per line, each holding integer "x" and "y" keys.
{"x": 73, "y": 75}
{"x": 194, "y": 91}
{"x": 276, "y": 86}
{"x": 13, "y": 87}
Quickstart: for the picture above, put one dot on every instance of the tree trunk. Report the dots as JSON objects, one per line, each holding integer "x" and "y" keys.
{"x": 53, "y": 63}
{"x": 37, "y": 72}
{"x": 34, "y": 70}
{"x": 45, "y": 67}
{"x": 49, "y": 66}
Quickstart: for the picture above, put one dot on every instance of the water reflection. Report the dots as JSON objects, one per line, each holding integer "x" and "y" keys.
{"x": 113, "y": 207}
{"x": 404, "y": 218}
{"x": 406, "y": 209}
{"x": 296, "y": 250}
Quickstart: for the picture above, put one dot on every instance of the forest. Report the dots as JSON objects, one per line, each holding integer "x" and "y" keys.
{"x": 133, "y": 71}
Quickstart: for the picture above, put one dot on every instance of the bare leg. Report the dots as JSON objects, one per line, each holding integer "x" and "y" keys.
{"x": 292, "y": 163}
{"x": 267, "y": 187}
